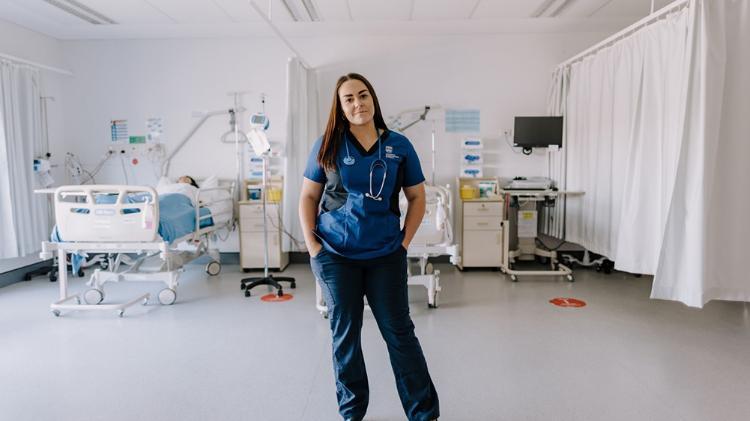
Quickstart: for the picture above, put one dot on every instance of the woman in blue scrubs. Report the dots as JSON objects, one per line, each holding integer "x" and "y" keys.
{"x": 350, "y": 216}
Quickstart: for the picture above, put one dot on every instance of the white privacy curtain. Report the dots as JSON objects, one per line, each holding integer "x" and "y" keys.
{"x": 657, "y": 136}
{"x": 556, "y": 102}
{"x": 23, "y": 215}
{"x": 302, "y": 129}
{"x": 622, "y": 108}
{"x": 707, "y": 229}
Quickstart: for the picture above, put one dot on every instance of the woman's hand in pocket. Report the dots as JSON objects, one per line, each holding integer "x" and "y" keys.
{"x": 315, "y": 251}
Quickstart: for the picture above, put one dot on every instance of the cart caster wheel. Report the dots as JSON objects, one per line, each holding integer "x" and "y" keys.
{"x": 245, "y": 270}
{"x": 247, "y": 293}
{"x": 103, "y": 265}
{"x": 570, "y": 278}
{"x": 52, "y": 278}
{"x": 514, "y": 278}
{"x": 293, "y": 285}
{"x": 213, "y": 268}
{"x": 56, "y": 313}
{"x": 80, "y": 273}
{"x": 120, "y": 313}
{"x": 324, "y": 314}
{"x": 93, "y": 296}
{"x": 242, "y": 285}
{"x": 280, "y": 293}
{"x": 167, "y": 296}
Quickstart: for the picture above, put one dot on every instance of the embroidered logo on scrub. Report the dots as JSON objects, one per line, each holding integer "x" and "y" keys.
{"x": 389, "y": 153}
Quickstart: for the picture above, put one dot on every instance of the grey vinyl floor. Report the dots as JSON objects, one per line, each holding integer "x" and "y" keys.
{"x": 496, "y": 350}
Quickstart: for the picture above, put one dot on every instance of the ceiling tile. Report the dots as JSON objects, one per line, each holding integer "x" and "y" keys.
{"x": 386, "y": 10}
{"x": 51, "y": 13}
{"x": 610, "y": 8}
{"x": 498, "y": 9}
{"x": 332, "y": 10}
{"x": 128, "y": 12}
{"x": 201, "y": 12}
{"x": 442, "y": 9}
{"x": 621, "y": 8}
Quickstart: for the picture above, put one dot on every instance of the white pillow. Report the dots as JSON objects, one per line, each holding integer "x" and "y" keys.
{"x": 210, "y": 182}
{"x": 163, "y": 181}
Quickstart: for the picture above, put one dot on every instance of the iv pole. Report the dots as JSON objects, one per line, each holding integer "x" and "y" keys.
{"x": 235, "y": 129}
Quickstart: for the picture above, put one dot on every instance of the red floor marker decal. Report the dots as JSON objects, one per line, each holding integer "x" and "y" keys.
{"x": 567, "y": 302}
{"x": 272, "y": 298}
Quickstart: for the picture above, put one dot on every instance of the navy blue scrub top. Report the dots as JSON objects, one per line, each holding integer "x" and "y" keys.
{"x": 350, "y": 224}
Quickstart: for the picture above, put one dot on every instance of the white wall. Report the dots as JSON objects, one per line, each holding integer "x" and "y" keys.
{"x": 172, "y": 79}
{"x": 29, "y": 45}
{"x": 502, "y": 75}
{"x": 23, "y": 43}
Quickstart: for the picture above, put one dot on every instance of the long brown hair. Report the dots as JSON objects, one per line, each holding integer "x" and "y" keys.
{"x": 338, "y": 124}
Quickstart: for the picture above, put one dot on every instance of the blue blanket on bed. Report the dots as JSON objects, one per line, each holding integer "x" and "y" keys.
{"x": 176, "y": 218}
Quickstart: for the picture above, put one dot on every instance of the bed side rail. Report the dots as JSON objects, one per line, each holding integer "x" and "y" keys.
{"x": 227, "y": 202}
{"x": 97, "y": 213}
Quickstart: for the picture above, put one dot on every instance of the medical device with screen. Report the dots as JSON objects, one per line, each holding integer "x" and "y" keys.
{"x": 538, "y": 132}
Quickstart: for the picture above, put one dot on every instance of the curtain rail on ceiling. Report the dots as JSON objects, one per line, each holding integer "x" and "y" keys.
{"x": 278, "y": 33}
{"x": 627, "y": 31}
{"x": 35, "y": 64}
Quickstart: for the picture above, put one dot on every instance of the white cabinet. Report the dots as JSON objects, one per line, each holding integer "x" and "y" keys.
{"x": 251, "y": 236}
{"x": 481, "y": 232}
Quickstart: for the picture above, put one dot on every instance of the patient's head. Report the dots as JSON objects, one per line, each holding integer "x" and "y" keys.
{"x": 187, "y": 180}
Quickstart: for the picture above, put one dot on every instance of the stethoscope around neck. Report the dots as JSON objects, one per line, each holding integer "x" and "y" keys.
{"x": 378, "y": 163}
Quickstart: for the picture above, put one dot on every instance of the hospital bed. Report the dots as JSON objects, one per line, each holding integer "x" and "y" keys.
{"x": 434, "y": 238}
{"x": 133, "y": 226}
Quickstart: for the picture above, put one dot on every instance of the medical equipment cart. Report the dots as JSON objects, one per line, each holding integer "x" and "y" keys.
{"x": 525, "y": 229}
{"x": 480, "y": 223}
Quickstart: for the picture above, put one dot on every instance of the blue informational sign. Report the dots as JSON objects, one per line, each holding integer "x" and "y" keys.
{"x": 462, "y": 121}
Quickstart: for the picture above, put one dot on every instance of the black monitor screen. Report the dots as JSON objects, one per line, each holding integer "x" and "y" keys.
{"x": 538, "y": 132}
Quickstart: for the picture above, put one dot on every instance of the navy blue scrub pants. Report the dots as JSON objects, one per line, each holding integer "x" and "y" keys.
{"x": 382, "y": 280}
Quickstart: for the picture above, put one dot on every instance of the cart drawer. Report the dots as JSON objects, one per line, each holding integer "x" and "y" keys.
{"x": 256, "y": 224}
{"x": 256, "y": 211}
{"x": 483, "y": 209}
{"x": 482, "y": 223}
{"x": 482, "y": 249}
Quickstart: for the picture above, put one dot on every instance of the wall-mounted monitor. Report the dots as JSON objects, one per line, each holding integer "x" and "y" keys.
{"x": 537, "y": 132}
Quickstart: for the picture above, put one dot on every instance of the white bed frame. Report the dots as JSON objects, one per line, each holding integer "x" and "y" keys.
{"x": 105, "y": 228}
{"x": 421, "y": 250}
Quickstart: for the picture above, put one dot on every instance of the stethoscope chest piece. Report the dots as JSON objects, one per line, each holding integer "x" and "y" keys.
{"x": 349, "y": 160}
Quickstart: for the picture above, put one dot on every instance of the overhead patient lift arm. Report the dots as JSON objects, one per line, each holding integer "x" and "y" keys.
{"x": 186, "y": 139}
